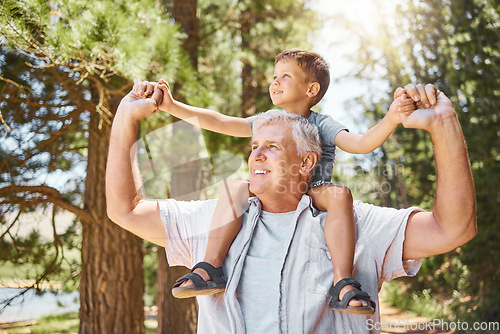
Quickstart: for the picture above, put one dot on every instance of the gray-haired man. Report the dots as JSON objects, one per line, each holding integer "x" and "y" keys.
{"x": 278, "y": 268}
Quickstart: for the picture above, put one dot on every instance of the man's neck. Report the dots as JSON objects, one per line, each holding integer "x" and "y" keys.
{"x": 280, "y": 205}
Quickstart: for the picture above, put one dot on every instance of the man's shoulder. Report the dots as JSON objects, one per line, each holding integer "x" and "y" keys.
{"x": 173, "y": 207}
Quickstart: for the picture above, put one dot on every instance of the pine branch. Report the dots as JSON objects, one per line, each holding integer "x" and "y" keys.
{"x": 46, "y": 195}
{"x": 11, "y": 224}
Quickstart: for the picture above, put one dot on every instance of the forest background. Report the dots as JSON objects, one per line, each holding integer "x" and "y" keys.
{"x": 65, "y": 65}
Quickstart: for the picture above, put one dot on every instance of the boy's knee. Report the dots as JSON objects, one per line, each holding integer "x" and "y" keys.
{"x": 339, "y": 193}
{"x": 238, "y": 186}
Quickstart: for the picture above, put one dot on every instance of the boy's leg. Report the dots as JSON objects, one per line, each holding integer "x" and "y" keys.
{"x": 340, "y": 232}
{"x": 225, "y": 224}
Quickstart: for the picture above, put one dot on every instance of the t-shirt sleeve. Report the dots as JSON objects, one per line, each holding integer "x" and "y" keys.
{"x": 329, "y": 129}
{"x": 384, "y": 230}
{"x": 187, "y": 225}
{"x": 250, "y": 120}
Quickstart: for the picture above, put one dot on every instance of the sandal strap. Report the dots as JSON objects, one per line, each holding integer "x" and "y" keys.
{"x": 216, "y": 274}
{"x": 197, "y": 280}
{"x": 353, "y": 294}
{"x": 335, "y": 290}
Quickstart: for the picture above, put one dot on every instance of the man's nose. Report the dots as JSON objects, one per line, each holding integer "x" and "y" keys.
{"x": 258, "y": 154}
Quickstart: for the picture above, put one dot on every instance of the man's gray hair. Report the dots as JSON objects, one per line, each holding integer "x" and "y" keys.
{"x": 306, "y": 135}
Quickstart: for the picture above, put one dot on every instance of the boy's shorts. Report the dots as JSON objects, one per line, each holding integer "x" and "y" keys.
{"x": 319, "y": 183}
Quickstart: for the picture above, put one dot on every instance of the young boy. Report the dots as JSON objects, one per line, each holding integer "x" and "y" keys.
{"x": 300, "y": 80}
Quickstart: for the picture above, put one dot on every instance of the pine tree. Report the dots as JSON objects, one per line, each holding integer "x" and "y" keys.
{"x": 70, "y": 65}
{"x": 454, "y": 45}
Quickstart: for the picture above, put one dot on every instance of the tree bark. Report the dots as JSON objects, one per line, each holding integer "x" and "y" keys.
{"x": 184, "y": 12}
{"x": 111, "y": 282}
{"x": 179, "y": 315}
{"x": 250, "y": 87}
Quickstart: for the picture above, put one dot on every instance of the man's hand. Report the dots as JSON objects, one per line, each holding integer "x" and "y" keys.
{"x": 424, "y": 96}
{"x": 427, "y": 119}
{"x": 138, "y": 107}
{"x": 146, "y": 89}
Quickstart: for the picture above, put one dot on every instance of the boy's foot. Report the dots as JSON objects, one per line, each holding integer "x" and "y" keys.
{"x": 353, "y": 301}
{"x": 204, "y": 279}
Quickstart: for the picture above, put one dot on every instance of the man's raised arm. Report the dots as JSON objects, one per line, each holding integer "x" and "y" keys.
{"x": 452, "y": 221}
{"x": 124, "y": 205}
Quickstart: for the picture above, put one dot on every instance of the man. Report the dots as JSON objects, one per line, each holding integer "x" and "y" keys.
{"x": 278, "y": 273}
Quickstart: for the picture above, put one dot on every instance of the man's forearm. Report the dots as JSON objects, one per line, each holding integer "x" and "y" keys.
{"x": 121, "y": 193}
{"x": 455, "y": 205}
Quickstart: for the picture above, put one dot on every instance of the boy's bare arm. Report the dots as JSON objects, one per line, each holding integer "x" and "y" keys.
{"x": 205, "y": 118}
{"x": 377, "y": 135}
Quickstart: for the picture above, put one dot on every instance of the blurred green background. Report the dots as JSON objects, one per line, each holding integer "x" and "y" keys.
{"x": 65, "y": 65}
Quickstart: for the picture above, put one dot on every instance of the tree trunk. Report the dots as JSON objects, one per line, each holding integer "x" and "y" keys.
{"x": 249, "y": 91}
{"x": 250, "y": 88}
{"x": 179, "y": 315}
{"x": 111, "y": 282}
{"x": 184, "y": 12}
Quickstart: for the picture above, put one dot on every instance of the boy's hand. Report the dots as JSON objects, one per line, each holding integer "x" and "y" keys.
{"x": 168, "y": 100}
{"x": 402, "y": 104}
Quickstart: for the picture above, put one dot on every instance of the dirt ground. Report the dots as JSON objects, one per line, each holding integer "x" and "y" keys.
{"x": 395, "y": 321}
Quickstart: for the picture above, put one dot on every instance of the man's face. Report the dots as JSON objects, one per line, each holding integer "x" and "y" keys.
{"x": 275, "y": 164}
{"x": 290, "y": 84}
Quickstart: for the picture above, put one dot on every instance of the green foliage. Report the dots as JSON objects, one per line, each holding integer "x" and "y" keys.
{"x": 61, "y": 62}
{"x": 422, "y": 303}
{"x": 453, "y": 44}
{"x": 126, "y": 38}
{"x": 150, "y": 265}
{"x": 60, "y": 323}
{"x": 235, "y": 34}
{"x": 65, "y": 323}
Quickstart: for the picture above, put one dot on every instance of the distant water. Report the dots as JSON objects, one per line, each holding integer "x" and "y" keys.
{"x": 32, "y": 306}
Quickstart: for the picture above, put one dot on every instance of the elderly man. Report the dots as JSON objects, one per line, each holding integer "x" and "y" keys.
{"x": 278, "y": 270}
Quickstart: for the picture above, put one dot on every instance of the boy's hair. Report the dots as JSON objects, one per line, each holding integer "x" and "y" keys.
{"x": 313, "y": 65}
{"x": 306, "y": 135}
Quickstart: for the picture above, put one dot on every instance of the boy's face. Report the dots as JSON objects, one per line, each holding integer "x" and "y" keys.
{"x": 290, "y": 85}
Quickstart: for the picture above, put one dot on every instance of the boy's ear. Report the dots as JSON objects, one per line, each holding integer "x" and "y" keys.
{"x": 309, "y": 161}
{"x": 313, "y": 90}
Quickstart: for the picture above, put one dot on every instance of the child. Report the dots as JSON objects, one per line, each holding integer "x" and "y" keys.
{"x": 300, "y": 80}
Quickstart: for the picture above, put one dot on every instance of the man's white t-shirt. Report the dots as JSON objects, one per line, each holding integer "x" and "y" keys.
{"x": 306, "y": 273}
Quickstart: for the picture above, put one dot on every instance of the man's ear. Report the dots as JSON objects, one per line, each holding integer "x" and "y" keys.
{"x": 309, "y": 161}
{"x": 314, "y": 89}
